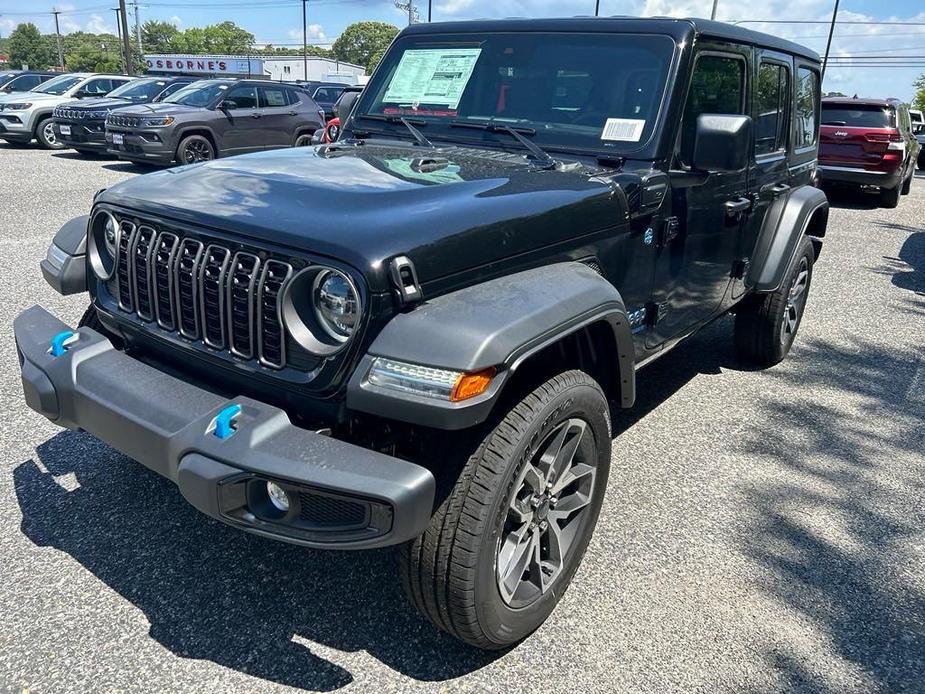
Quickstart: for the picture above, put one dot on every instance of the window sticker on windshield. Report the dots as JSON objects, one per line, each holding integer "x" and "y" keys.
{"x": 623, "y": 129}
{"x": 434, "y": 76}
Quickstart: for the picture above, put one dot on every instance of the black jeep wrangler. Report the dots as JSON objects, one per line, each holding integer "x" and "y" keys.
{"x": 414, "y": 336}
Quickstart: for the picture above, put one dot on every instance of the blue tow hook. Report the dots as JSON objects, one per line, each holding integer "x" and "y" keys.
{"x": 224, "y": 421}
{"x": 61, "y": 341}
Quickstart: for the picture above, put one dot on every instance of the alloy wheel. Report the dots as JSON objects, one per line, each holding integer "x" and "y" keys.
{"x": 796, "y": 302}
{"x": 546, "y": 513}
{"x": 197, "y": 150}
{"x": 48, "y": 133}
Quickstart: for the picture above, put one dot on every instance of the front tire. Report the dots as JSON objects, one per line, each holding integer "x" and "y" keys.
{"x": 766, "y": 324}
{"x": 195, "y": 148}
{"x": 503, "y": 546}
{"x": 303, "y": 140}
{"x": 45, "y": 134}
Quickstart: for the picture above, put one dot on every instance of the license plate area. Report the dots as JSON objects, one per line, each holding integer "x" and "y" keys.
{"x": 65, "y": 129}
{"x": 118, "y": 139}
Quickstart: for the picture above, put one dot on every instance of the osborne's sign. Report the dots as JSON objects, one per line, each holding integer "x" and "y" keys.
{"x": 204, "y": 64}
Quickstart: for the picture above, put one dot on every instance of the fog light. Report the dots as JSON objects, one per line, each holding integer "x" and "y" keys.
{"x": 278, "y": 496}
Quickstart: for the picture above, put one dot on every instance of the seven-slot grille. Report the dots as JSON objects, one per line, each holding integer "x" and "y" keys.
{"x": 203, "y": 291}
{"x": 123, "y": 121}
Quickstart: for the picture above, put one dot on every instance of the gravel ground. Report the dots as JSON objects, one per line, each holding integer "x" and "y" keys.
{"x": 763, "y": 531}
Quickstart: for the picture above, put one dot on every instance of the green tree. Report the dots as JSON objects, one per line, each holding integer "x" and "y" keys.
{"x": 363, "y": 43}
{"x": 158, "y": 37}
{"x": 227, "y": 37}
{"x": 29, "y": 47}
{"x": 918, "y": 101}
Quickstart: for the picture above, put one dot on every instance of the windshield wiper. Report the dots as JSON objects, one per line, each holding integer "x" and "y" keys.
{"x": 546, "y": 161}
{"x": 417, "y": 134}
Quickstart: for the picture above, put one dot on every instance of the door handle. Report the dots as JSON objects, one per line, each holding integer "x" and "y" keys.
{"x": 293, "y": 113}
{"x": 736, "y": 206}
{"x": 255, "y": 115}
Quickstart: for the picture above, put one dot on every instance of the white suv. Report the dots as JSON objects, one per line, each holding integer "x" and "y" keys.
{"x": 27, "y": 115}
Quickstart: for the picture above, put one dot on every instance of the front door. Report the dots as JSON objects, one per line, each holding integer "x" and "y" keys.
{"x": 243, "y": 121}
{"x": 694, "y": 269}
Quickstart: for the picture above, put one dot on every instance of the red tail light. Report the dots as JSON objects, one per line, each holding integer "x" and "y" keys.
{"x": 892, "y": 136}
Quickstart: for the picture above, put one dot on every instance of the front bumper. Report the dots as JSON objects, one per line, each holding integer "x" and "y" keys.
{"x": 83, "y": 135}
{"x": 343, "y": 496}
{"x": 136, "y": 146}
{"x": 859, "y": 176}
{"x": 15, "y": 132}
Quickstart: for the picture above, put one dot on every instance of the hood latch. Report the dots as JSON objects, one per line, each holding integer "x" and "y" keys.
{"x": 405, "y": 280}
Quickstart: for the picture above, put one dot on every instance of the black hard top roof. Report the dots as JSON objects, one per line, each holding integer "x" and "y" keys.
{"x": 679, "y": 29}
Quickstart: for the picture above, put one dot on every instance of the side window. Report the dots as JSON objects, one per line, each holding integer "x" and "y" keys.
{"x": 170, "y": 89}
{"x": 772, "y": 97}
{"x": 243, "y": 96}
{"x": 717, "y": 87}
{"x": 24, "y": 83}
{"x": 807, "y": 108}
{"x": 98, "y": 86}
{"x": 273, "y": 97}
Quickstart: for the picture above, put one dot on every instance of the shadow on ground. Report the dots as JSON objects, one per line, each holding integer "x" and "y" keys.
{"x": 836, "y": 535}
{"x": 129, "y": 167}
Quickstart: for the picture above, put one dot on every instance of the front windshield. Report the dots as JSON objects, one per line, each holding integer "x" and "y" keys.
{"x": 59, "y": 85}
{"x": 201, "y": 93}
{"x": 139, "y": 90}
{"x": 566, "y": 90}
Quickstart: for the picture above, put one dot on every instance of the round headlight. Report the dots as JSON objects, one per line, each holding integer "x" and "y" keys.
{"x": 102, "y": 243}
{"x": 336, "y": 304}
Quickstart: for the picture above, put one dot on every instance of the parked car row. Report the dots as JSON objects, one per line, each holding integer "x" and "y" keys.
{"x": 163, "y": 120}
{"x": 870, "y": 142}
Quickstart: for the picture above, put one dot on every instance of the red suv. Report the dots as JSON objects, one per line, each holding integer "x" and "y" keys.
{"x": 868, "y": 142}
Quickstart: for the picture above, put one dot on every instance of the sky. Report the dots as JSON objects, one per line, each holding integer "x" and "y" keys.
{"x": 280, "y": 22}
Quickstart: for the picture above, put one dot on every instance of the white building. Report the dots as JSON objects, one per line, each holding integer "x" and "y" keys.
{"x": 279, "y": 68}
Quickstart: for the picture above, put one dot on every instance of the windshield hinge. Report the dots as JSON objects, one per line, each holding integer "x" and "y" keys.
{"x": 405, "y": 280}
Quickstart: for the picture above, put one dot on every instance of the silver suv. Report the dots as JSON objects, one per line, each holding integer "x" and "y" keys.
{"x": 25, "y": 116}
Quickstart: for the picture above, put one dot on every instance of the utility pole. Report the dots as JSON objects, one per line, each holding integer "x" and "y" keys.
{"x": 828, "y": 44}
{"x": 56, "y": 12}
{"x": 304, "y": 41}
{"x": 119, "y": 34}
{"x": 138, "y": 29}
{"x": 597, "y": 8}
{"x": 713, "y": 13}
{"x": 126, "y": 39}
{"x": 430, "y": 8}
{"x": 409, "y": 6}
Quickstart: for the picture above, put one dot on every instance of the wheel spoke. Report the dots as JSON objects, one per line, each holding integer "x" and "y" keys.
{"x": 518, "y": 552}
{"x": 569, "y": 504}
{"x": 573, "y": 474}
{"x": 559, "y": 455}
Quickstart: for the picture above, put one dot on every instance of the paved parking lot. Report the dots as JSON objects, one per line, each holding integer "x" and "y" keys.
{"x": 762, "y": 531}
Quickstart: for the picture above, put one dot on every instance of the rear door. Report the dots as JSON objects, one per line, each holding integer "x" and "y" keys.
{"x": 23, "y": 83}
{"x": 278, "y": 117}
{"x": 769, "y": 180}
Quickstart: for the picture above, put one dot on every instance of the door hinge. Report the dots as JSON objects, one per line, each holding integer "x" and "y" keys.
{"x": 405, "y": 280}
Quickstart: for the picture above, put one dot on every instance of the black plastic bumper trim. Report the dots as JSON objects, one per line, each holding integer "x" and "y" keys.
{"x": 163, "y": 422}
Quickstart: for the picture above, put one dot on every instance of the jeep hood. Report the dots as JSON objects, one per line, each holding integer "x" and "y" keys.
{"x": 98, "y": 104}
{"x": 160, "y": 108}
{"x": 364, "y": 205}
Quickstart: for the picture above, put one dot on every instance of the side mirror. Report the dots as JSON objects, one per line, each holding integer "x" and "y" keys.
{"x": 228, "y": 105}
{"x": 345, "y": 105}
{"x": 722, "y": 143}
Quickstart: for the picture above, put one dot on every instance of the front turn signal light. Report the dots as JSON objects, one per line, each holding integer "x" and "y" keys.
{"x": 470, "y": 385}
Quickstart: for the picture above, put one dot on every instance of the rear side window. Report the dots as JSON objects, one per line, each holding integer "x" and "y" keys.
{"x": 859, "y": 116}
{"x": 717, "y": 87}
{"x": 772, "y": 96}
{"x": 327, "y": 93}
{"x": 807, "y": 105}
{"x": 273, "y": 97}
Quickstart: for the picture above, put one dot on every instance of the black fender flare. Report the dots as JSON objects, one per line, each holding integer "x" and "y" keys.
{"x": 64, "y": 266}
{"x": 498, "y": 323}
{"x": 786, "y": 223}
